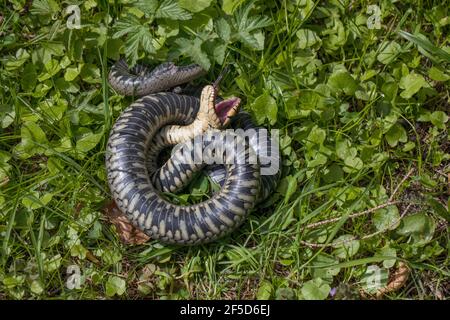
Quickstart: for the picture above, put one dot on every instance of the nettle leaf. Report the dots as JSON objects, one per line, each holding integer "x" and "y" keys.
{"x": 315, "y": 289}
{"x": 389, "y": 53}
{"x": 223, "y": 29}
{"x": 170, "y": 9}
{"x": 193, "y": 49}
{"x": 137, "y": 34}
{"x": 246, "y": 27}
{"x": 396, "y": 134}
{"x": 195, "y": 5}
{"x": 265, "y": 107}
{"x": 219, "y": 52}
{"x": 307, "y": 38}
{"x": 115, "y": 285}
{"x": 342, "y": 81}
{"x": 44, "y": 7}
{"x": 149, "y": 7}
{"x": 411, "y": 84}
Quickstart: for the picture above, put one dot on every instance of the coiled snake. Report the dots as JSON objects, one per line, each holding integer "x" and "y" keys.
{"x": 160, "y": 119}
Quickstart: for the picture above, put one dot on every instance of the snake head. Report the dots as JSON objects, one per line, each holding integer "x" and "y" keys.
{"x": 217, "y": 114}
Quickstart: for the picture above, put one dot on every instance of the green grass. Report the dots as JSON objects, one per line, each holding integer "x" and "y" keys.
{"x": 363, "y": 120}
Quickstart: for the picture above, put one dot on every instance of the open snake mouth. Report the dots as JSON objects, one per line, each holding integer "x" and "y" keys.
{"x": 226, "y": 109}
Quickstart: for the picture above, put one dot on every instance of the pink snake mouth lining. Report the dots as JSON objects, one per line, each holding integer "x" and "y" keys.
{"x": 227, "y": 108}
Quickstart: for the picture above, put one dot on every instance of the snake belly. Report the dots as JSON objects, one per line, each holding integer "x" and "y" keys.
{"x": 136, "y": 190}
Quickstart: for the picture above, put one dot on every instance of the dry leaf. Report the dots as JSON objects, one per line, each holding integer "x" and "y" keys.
{"x": 128, "y": 233}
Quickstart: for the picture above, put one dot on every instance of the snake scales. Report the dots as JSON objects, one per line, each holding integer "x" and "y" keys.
{"x": 160, "y": 119}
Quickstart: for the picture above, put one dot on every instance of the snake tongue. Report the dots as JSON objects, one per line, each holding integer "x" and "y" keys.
{"x": 226, "y": 109}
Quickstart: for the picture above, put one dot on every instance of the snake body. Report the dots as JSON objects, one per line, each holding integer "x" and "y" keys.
{"x": 160, "y": 119}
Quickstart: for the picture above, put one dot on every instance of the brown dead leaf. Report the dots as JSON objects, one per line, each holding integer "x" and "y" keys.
{"x": 128, "y": 233}
{"x": 397, "y": 281}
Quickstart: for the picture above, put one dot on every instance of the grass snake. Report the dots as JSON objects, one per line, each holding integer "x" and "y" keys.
{"x": 160, "y": 119}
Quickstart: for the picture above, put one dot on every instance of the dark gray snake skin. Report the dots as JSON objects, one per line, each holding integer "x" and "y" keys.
{"x": 136, "y": 186}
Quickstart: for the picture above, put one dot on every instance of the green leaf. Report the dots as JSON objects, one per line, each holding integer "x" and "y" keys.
{"x": 36, "y": 287}
{"x": 88, "y": 141}
{"x": 342, "y": 81}
{"x": 439, "y": 209}
{"x": 307, "y": 38}
{"x": 71, "y": 73}
{"x": 349, "y": 155}
{"x": 52, "y": 67}
{"x": 15, "y": 62}
{"x": 32, "y": 201}
{"x": 317, "y": 135}
{"x": 438, "y": 74}
{"x": 265, "y": 107}
{"x": 420, "y": 227}
{"x": 193, "y": 49}
{"x": 411, "y": 84}
{"x": 170, "y": 9}
{"x": 219, "y": 53}
{"x": 315, "y": 289}
{"x": 229, "y": 6}
{"x": 44, "y": 7}
{"x": 115, "y": 285}
{"x": 31, "y": 133}
{"x": 439, "y": 119}
{"x": 223, "y": 29}
{"x": 291, "y": 187}
{"x": 264, "y": 291}
{"x": 137, "y": 35}
{"x": 284, "y": 294}
{"x": 29, "y": 77}
{"x": 389, "y": 53}
{"x": 387, "y": 251}
{"x": 195, "y": 5}
{"x": 246, "y": 27}
{"x": 90, "y": 73}
{"x": 386, "y": 219}
{"x": 149, "y": 7}
{"x": 346, "y": 246}
{"x": 425, "y": 46}
{"x": 396, "y": 134}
